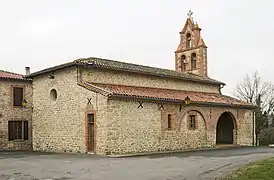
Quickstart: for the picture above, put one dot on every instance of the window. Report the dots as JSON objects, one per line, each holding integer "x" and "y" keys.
{"x": 183, "y": 62}
{"x": 91, "y": 118}
{"x": 169, "y": 123}
{"x": 192, "y": 122}
{"x": 18, "y": 96}
{"x": 188, "y": 40}
{"x": 53, "y": 94}
{"x": 18, "y": 130}
{"x": 193, "y": 61}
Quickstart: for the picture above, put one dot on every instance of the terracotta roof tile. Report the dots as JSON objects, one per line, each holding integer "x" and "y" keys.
{"x": 117, "y": 65}
{"x": 129, "y": 67}
{"x": 10, "y": 75}
{"x": 163, "y": 94}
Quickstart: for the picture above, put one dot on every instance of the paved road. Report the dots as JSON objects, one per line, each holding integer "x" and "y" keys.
{"x": 209, "y": 164}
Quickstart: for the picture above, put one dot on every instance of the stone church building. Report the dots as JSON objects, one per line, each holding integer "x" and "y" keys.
{"x": 110, "y": 107}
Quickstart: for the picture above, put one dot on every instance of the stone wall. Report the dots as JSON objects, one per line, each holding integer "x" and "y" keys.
{"x": 133, "y": 79}
{"x": 121, "y": 127}
{"x": 136, "y": 130}
{"x": 60, "y": 125}
{"x": 10, "y": 113}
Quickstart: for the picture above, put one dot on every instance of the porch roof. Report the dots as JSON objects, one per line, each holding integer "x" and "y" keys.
{"x": 166, "y": 95}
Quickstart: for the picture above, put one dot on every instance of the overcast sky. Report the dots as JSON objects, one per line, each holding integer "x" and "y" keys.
{"x": 44, "y": 33}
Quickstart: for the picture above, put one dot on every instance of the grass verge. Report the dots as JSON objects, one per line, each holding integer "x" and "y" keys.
{"x": 260, "y": 170}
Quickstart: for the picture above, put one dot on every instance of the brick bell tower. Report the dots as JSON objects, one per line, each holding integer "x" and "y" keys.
{"x": 191, "y": 54}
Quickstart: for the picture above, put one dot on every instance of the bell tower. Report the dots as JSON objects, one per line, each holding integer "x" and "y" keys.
{"x": 191, "y": 54}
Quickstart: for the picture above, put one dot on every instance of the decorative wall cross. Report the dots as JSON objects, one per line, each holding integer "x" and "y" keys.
{"x": 140, "y": 104}
{"x": 161, "y": 106}
{"x": 89, "y": 100}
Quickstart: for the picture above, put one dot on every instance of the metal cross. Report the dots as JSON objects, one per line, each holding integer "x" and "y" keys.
{"x": 189, "y": 14}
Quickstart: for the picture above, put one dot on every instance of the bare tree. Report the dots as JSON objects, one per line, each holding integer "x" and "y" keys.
{"x": 253, "y": 90}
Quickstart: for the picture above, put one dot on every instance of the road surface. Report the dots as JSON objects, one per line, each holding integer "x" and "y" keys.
{"x": 208, "y": 164}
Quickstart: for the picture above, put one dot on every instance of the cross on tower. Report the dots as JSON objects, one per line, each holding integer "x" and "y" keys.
{"x": 189, "y": 14}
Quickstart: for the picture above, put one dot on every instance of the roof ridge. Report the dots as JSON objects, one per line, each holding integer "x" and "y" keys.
{"x": 188, "y": 75}
{"x": 124, "y": 63}
{"x": 129, "y": 67}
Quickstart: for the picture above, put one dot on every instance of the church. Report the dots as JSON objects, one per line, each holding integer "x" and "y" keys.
{"x": 107, "y": 107}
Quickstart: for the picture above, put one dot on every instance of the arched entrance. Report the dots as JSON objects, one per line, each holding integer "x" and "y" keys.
{"x": 224, "y": 129}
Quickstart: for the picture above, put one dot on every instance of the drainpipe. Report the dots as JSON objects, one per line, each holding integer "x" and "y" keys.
{"x": 253, "y": 128}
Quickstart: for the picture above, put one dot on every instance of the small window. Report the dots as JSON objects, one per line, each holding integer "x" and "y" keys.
{"x": 188, "y": 40}
{"x": 53, "y": 94}
{"x": 169, "y": 121}
{"x": 91, "y": 118}
{"x": 193, "y": 61}
{"x": 192, "y": 122}
{"x": 18, "y": 130}
{"x": 18, "y": 96}
{"x": 183, "y": 62}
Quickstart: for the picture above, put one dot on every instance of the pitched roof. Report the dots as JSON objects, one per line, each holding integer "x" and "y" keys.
{"x": 117, "y": 65}
{"x": 129, "y": 67}
{"x": 10, "y": 75}
{"x": 201, "y": 42}
{"x": 188, "y": 23}
{"x": 160, "y": 94}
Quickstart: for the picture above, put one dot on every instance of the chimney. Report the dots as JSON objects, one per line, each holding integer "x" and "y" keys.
{"x": 27, "y": 70}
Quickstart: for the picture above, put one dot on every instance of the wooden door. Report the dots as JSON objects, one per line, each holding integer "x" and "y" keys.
{"x": 91, "y": 132}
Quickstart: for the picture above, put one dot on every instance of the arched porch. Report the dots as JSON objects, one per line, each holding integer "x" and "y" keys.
{"x": 226, "y": 129}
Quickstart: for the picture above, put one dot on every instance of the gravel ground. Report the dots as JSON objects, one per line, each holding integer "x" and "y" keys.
{"x": 208, "y": 164}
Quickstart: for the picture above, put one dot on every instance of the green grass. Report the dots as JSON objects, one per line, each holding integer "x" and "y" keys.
{"x": 259, "y": 170}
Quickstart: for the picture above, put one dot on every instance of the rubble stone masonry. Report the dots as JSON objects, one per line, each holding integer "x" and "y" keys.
{"x": 121, "y": 127}
{"x": 10, "y": 113}
{"x": 134, "y": 79}
{"x": 59, "y": 126}
{"x": 136, "y": 130}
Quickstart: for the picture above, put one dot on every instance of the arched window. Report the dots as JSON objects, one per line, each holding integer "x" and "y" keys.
{"x": 188, "y": 40}
{"x": 193, "y": 61}
{"x": 183, "y": 62}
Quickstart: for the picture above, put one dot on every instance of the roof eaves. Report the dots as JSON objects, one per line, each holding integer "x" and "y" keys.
{"x": 93, "y": 88}
{"x": 54, "y": 68}
{"x": 145, "y": 98}
{"x": 14, "y": 79}
{"x": 91, "y": 62}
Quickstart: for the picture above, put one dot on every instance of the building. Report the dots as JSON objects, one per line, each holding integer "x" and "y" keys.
{"x": 15, "y": 116}
{"x": 111, "y": 107}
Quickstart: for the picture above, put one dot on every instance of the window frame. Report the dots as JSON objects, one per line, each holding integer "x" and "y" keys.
{"x": 169, "y": 122}
{"x": 188, "y": 40}
{"x": 183, "y": 63}
{"x": 190, "y": 115}
{"x": 193, "y": 55}
{"x": 22, "y": 136}
{"x": 12, "y": 95}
